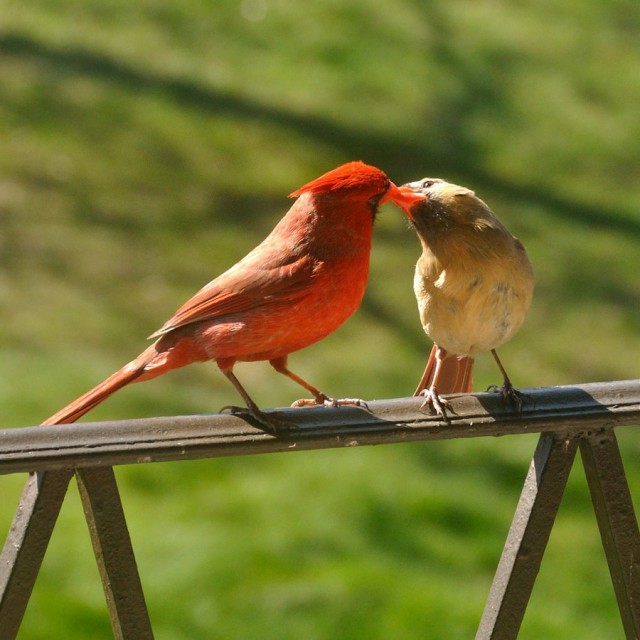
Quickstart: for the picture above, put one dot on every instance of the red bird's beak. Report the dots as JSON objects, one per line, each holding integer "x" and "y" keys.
{"x": 404, "y": 197}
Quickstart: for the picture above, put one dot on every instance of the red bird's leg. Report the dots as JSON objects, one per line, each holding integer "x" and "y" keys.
{"x": 507, "y": 390}
{"x": 431, "y": 395}
{"x": 280, "y": 365}
{"x": 252, "y": 409}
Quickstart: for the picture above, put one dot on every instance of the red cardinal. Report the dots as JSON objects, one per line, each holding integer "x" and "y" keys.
{"x": 295, "y": 288}
{"x": 473, "y": 283}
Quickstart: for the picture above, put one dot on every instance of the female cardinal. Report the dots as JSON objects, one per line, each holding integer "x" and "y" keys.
{"x": 296, "y": 287}
{"x": 473, "y": 283}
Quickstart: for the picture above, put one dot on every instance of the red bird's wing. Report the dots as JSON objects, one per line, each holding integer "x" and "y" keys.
{"x": 247, "y": 285}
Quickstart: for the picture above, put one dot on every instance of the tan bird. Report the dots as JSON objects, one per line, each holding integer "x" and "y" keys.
{"x": 473, "y": 283}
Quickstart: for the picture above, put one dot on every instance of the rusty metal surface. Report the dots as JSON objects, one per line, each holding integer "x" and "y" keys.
{"x": 26, "y": 544}
{"x": 114, "y": 554}
{"x": 528, "y": 537}
{"x": 571, "y": 408}
{"x": 617, "y": 522}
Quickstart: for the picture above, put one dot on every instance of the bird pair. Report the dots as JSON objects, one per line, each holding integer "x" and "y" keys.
{"x": 473, "y": 284}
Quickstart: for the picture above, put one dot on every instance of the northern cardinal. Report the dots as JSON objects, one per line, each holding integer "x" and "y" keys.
{"x": 473, "y": 283}
{"x": 295, "y": 288}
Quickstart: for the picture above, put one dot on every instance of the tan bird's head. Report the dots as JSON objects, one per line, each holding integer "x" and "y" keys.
{"x": 434, "y": 205}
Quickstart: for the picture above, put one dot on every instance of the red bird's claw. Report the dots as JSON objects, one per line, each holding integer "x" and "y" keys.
{"x": 305, "y": 402}
{"x": 268, "y": 423}
{"x": 436, "y": 403}
{"x": 349, "y": 402}
{"x": 326, "y": 401}
{"x": 233, "y": 409}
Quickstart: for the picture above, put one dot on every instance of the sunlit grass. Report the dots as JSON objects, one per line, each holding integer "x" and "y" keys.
{"x": 147, "y": 146}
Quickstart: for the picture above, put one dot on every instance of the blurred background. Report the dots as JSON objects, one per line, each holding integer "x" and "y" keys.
{"x": 148, "y": 145}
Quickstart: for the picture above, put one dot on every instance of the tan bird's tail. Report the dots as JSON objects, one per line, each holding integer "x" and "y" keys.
{"x": 456, "y": 375}
{"x": 129, "y": 373}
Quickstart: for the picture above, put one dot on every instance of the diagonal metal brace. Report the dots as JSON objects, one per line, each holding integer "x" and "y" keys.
{"x": 27, "y": 543}
{"x": 617, "y": 522}
{"x": 29, "y": 537}
{"x": 528, "y": 537}
{"x": 114, "y": 554}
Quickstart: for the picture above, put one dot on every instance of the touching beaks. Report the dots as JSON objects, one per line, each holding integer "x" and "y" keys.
{"x": 405, "y": 197}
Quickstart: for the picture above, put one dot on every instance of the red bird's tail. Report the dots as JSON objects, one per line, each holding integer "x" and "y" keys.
{"x": 456, "y": 375}
{"x": 83, "y": 404}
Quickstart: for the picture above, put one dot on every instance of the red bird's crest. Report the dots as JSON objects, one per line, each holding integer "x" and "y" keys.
{"x": 352, "y": 176}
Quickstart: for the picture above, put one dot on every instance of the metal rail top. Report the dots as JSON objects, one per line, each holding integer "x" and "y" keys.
{"x": 570, "y": 409}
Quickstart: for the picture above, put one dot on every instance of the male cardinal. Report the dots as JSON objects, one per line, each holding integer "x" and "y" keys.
{"x": 473, "y": 283}
{"x": 295, "y": 288}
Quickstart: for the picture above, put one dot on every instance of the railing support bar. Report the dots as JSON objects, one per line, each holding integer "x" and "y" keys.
{"x": 617, "y": 522}
{"x": 114, "y": 554}
{"x": 528, "y": 537}
{"x": 30, "y": 534}
{"x": 27, "y": 543}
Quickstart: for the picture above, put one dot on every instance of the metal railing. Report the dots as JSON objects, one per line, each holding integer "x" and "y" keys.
{"x": 568, "y": 418}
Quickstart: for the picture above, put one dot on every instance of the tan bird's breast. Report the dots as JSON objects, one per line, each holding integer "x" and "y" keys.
{"x": 473, "y": 306}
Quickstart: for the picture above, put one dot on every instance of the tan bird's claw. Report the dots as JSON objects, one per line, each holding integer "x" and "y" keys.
{"x": 510, "y": 394}
{"x": 436, "y": 403}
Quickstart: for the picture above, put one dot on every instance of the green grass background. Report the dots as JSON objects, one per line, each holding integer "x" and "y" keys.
{"x": 148, "y": 145}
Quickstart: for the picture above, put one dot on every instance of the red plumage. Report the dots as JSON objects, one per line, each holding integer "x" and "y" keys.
{"x": 295, "y": 288}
